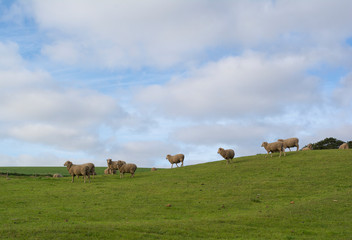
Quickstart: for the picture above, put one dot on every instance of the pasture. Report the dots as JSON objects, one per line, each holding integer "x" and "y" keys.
{"x": 305, "y": 195}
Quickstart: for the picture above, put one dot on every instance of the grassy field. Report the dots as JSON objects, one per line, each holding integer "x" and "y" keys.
{"x": 49, "y": 171}
{"x": 305, "y": 195}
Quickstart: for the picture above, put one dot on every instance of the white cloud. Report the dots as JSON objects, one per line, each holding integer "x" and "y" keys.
{"x": 234, "y": 87}
{"x": 35, "y": 109}
{"x": 342, "y": 94}
{"x": 153, "y": 33}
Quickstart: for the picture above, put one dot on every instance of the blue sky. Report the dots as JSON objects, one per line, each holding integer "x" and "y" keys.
{"x": 90, "y": 80}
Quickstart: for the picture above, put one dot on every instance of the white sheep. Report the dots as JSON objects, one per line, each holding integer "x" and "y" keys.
{"x": 178, "y": 158}
{"x": 344, "y": 146}
{"x": 274, "y": 147}
{"x": 124, "y": 167}
{"x": 309, "y": 147}
{"x": 78, "y": 170}
{"x": 227, "y": 154}
{"x": 290, "y": 142}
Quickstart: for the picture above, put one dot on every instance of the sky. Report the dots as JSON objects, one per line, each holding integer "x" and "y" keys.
{"x": 134, "y": 80}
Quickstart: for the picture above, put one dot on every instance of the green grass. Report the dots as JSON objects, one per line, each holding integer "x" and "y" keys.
{"x": 49, "y": 171}
{"x": 305, "y": 195}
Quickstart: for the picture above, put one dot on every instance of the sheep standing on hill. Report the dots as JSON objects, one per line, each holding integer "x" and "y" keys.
{"x": 78, "y": 170}
{"x": 124, "y": 167}
{"x": 309, "y": 147}
{"x": 274, "y": 147}
{"x": 227, "y": 154}
{"x": 344, "y": 146}
{"x": 178, "y": 158}
{"x": 290, "y": 142}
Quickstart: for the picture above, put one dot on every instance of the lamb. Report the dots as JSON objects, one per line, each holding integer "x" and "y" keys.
{"x": 309, "y": 147}
{"x": 274, "y": 147}
{"x": 112, "y": 165}
{"x": 344, "y": 146}
{"x": 57, "y": 175}
{"x": 290, "y": 142}
{"x": 178, "y": 158}
{"x": 227, "y": 154}
{"x": 78, "y": 170}
{"x": 124, "y": 167}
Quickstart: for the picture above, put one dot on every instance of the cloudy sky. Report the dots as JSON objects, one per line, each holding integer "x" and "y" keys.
{"x": 137, "y": 80}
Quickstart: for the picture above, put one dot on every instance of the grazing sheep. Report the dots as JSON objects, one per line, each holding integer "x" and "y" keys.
{"x": 227, "y": 154}
{"x": 78, "y": 170}
{"x": 57, "y": 175}
{"x": 274, "y": 147}
{"x": 178, "y": 158}
{"x": 344, "y": 146}
{"x": 309, "y": 147}
{"x": 109, "y": 171}
{"x": 290, "y": 142}
{"x": 153, "y": 169}
{"x": 124, "y": 167}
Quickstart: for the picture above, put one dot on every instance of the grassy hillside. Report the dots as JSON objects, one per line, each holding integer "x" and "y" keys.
{"x": 305, "y": 195}
{"x": 48, "y": 171}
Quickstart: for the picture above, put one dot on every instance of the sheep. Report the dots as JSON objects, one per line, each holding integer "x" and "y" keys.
{"x": 344, "y": 146}
{"x": 274, "y": 147}
{"x": 290, "y": 142}
{"x": 124, "y": 167}
{"x": 227, "y": 154}
{"x": 178, "y": 158}
{"x": 78, "y": 170}
{"x": 309, "y": 147}
{"x": 153, "y": 169}
{"x": 91, "y": 169}
{"x": 112, "y": 165}
{"x": 109, "y": 171}
{"x": 57, "y": 175}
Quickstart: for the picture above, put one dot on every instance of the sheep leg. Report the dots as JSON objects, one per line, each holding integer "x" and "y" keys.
{"x": 73, "y": 176}
{"x": 182, "y": 164}
{"x": 176, "y": 164}
{"x": 89, "y": 177}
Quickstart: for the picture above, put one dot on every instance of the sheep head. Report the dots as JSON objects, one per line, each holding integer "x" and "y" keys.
{"x": 120, "y": 164}
{"x": 264, "y": 144}
{"x": 109, "y": 161}
{"x": 220, "y": 150}
{"x": 68, "y": 164}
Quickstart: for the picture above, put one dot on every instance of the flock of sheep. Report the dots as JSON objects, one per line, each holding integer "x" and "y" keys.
{"x": 282, "y": 144}
{"x": 88, "y": 169}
